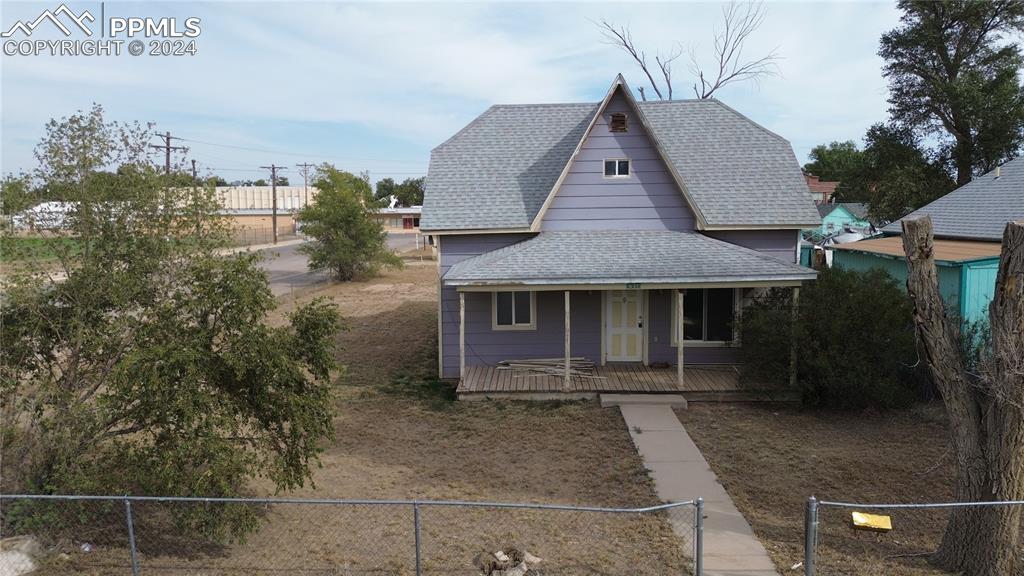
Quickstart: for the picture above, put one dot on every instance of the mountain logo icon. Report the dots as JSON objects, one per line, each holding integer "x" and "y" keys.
{"x": 78, "y": 19}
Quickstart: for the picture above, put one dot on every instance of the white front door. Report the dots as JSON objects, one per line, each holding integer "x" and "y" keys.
{"x": 625, "y": 324}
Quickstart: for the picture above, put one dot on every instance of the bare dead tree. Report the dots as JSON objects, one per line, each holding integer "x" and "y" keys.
{"x": 621, "y": 37}
{"x": 986, "y": 411}
{"x": 740, "y": 21}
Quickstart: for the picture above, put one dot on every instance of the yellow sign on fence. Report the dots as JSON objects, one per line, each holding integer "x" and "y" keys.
{"x": 875, "y": 522}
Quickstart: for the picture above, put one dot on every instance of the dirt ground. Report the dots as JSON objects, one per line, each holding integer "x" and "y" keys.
{"x": 401, "y": 435}
{"x": 771, "y": 458}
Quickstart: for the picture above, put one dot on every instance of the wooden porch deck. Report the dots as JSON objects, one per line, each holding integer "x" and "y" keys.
{"x": 702, "y": 383}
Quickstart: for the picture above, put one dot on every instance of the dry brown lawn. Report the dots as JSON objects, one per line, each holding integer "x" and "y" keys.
{"x": 771, "y": 458}
{"x": 400, "y": 435}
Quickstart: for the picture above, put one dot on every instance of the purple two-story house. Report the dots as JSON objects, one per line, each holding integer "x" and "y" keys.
{"x": 581, "y": 230}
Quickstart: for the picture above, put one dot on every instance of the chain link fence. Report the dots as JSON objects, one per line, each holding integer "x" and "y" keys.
{"x": 833, "y": 545}
{"x": 150, "y": 535}
{"x": 255, "y": 235}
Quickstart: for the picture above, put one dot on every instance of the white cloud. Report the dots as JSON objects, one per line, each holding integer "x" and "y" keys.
{"x": 415, "y": 73}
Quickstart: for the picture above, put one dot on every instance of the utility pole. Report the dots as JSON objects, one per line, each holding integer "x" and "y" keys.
{"x": 166, "y": 147}
{"x": 273, "y": 193}
{"x": 305, "y": 181}
{"x": 194, "y": 178}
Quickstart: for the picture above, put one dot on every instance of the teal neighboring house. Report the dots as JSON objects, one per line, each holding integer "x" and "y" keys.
{"x": 837, "y": 218}
{"x": 968, "y": 224}
{"x": 967, "y": 269}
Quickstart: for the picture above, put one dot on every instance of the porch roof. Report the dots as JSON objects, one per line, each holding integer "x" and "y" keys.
{"x": 620, "y": 257}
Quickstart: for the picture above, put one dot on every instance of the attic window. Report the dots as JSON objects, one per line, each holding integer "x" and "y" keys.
{"x": 616, "y": 168}
{"x": 618, "y": 122}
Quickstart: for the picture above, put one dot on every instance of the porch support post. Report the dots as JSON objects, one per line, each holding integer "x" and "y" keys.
{"x": 680, "y": 377}
{"x": 462, "y": 335}
{"x": 792, "y": 336}
{"x": 568, "y": 377}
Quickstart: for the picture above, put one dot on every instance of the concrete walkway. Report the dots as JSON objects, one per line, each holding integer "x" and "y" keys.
{"x": 681, "y": 473}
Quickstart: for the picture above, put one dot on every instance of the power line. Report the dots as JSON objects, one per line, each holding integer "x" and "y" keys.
{"x": 285, "y": 152}
{"x": 305, "y": 180}
{"x": 166, "y": 146}
{"x": 238, "y": 169}
{"x": 273, "y": 192}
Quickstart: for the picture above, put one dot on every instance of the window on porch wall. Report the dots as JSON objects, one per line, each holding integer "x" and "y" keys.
{"x": 708, "y": 315}
{"x": 513, "y": 310}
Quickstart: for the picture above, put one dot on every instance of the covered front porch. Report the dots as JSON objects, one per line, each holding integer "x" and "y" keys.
{"x": 642, "y": 312}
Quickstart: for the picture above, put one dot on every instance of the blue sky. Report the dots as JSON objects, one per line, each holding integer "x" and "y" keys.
{"x": 375, "y": 86}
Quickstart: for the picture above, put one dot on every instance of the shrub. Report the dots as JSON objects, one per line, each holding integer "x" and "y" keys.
{"x": 855, "y": 340}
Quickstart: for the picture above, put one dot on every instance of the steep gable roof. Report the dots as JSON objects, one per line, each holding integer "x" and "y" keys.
{"x": 978, "y": 210}
{"x": 497, "y": 172}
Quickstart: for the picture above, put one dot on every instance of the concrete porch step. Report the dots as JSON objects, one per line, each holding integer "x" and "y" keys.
{"x": 608, "y": 400}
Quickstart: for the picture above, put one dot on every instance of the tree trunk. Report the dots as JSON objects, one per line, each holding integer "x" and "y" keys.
{"x": 986, "y": 422}
{"x": 963, "y": 158}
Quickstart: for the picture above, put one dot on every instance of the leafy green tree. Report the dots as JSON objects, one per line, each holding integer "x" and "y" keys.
{"x": 894, "y": 175}
{"x": 833, "y": 162}
{"x": 347, "y": 239}
{"x": 953, "y": 71}
{"x": 16, "y": 194}
{"x": 385, "y": 189}
{"x": 410, "y": 192}
{"x": 142, "y": 364}
{"x": 260, "y": 182}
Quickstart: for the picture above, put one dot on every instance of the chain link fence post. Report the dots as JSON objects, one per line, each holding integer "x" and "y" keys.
{"x": 416, "y": 527}
{"x": 810, "y": 535}
{"x": 698, "y": 537}
{"x": 131, "y": 536}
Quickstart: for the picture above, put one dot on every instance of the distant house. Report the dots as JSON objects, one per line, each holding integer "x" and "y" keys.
{"x": 584, "y": 229}
{"x": 968, "y": 224}
{"x": 820, "y": 190}
{"x": 837, "y": 218}
{"x": 400, "y": 218}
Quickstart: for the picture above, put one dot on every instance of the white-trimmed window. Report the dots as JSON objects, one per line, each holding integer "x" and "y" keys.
{"x": 616, "y": 167}
{"x": 708, "y": 315}
{"x": 514, "y": 310}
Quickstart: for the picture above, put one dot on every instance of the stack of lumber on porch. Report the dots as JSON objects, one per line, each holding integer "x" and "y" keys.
{"x": 578, "y": 367}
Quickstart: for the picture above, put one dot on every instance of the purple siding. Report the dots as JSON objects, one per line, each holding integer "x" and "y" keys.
{"x": 648, "y": 200}
{"x": 778, "y": 243}
{"x": 452, "y": 250}
{"x": 487, "y": 346}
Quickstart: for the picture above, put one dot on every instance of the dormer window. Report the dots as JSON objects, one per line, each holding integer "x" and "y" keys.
{"x": 617, "y": 123}
{"x": 616, "y": 168}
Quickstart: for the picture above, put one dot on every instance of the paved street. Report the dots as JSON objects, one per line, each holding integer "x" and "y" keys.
{"x": 287, "y": 268}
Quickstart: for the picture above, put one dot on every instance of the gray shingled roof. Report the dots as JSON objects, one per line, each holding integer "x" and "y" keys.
{"x": 737, "y": 172}
{"x": 498, "y": 170}
{"x": 620, "y": 257}
{"x": 978, "y": 210}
